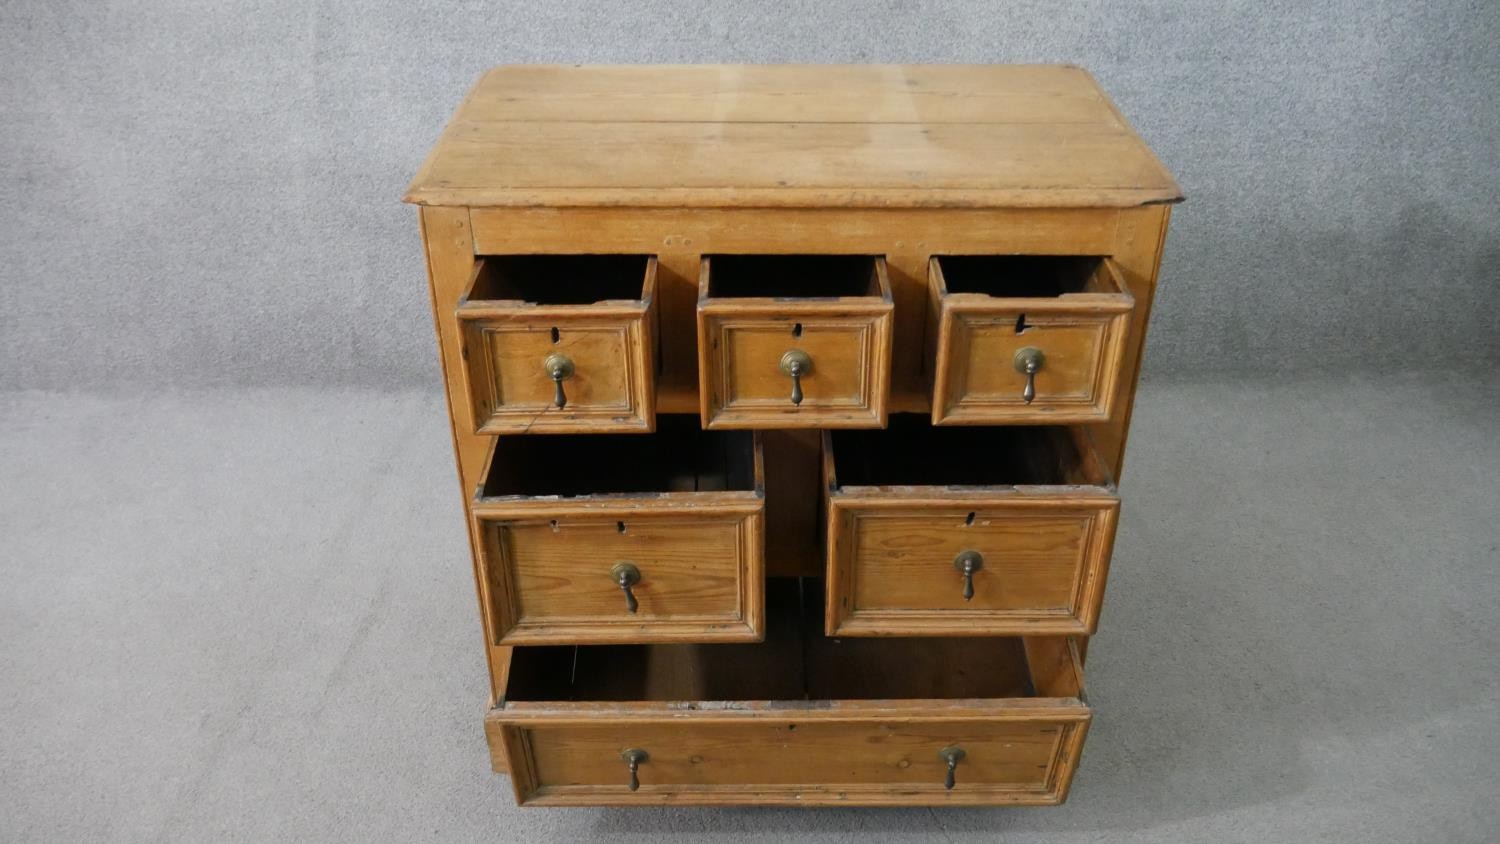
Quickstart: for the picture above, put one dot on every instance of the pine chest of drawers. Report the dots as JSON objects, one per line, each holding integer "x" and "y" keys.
{"x": 788, "y": 405}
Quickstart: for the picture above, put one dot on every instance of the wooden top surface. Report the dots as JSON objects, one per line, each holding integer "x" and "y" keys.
{"x": 790, "y": 136}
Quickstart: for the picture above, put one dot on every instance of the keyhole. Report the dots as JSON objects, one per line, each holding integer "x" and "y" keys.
{"x": 557, "y": 335}
{"x": 1021, "y": 323}
{"x": 620, "y": 526}
{"x": 969, "y": 520}
{"x": 797, "y": 330}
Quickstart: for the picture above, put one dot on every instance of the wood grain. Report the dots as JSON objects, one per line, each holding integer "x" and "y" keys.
{"x": 1141, "y": 235}
{"x": 850, "y": 136}
{"x": 611, "y": 344}
{"x": 680, "y": 237}
{"x": 741, "y": 342}
{"x": 696, "y": 578}
{"x": 891, "y": 573}
{"x": 448, "y": 243}
{"x": 1043, "y": 571}
{"x": 673, "y": 165}
{"x": 891, "y": 552}
{"x": 1020, "y": 748}
{"x": 854, "y": 762}
{"x": 1055, "y": 665}
{"x": 546, "y": 564}
{"x": 773, "y": 93}
{"x": 793, "y": 517}
{"x": 1082, "y": 335}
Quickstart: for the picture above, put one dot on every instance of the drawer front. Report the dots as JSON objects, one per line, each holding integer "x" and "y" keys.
{"x": 1036, "y": 564}
{"x": 1026, "y": 339}
{"x": 694, "y": 577}
{"x": 979, "y": 379}
{"x": 560, "y": 343}
{"x": 604, "y": 363}
{"x": 842, "y": 381}
{"x": 794, "y": 341}
{"x": 789, "y": 759}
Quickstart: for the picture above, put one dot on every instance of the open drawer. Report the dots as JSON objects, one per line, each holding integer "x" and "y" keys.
{"x": 623, "y": 538}
{"x": 798, "y": 720}
{"x": 965, "y": 531}
{"x": 1025, "y": 339}
{"x": 794, "y": 341}
{"x": 560, "y": 343}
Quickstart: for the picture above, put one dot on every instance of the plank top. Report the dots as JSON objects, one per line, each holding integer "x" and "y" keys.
{"x": 898, "y": 136}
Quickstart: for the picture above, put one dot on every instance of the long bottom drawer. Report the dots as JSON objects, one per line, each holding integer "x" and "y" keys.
{"x": 800, "y": 719}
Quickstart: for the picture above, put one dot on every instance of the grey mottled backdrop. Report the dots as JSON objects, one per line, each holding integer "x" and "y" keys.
{"x": 197, "y": 193}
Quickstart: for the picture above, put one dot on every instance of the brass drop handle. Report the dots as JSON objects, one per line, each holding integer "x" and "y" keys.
{"x": 795, "y": 364}
{"x": 559, "y": 368}
{"x": 952, "y": 755}
{"x": 1028, "y": 361}
{"x": 634, "y": 757}
{"x": 968, "y": 562}
{"x": 626, "y": 575}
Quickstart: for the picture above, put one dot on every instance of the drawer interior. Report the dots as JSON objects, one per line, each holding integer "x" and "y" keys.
{"x": 680, "y": 457}
{"x": 796, "y": 662}
{"x": 792, "y": 276}
{"x": 559, "y": 279}
{"x": 909, "y": 452}
{"x": 1025, "y": 276}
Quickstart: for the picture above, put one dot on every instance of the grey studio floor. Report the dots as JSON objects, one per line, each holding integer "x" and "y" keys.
{"x": 248, "y": 615}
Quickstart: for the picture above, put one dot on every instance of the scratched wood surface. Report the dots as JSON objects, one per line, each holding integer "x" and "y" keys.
{"x": 678, "y": 167}
{"x": 846, "y": 340}
{"x": 610, "y": 343}
{"x": 826, "y": 722}
{"x": 687, "y": 509}
{"x": 976, "y": 331}
{"x": 1041, "y": 520}
{"x": 804, "y": 136}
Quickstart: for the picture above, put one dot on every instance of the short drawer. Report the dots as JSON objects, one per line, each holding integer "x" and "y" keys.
{"x": 623, "y": 538}
{"x": 799, "y": 720}
{"x": 560, "y": 343}
{"x": 965, "y": 531}
{"x": 1025, "y": 339}
{"x": 794, "y": 341}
